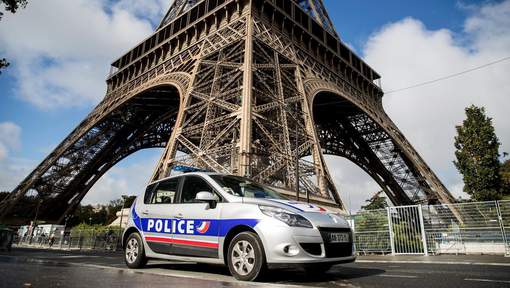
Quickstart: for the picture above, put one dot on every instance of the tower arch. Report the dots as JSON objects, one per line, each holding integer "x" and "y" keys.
{"x": 144, "y": 119}
{"x": 355, "y": 130}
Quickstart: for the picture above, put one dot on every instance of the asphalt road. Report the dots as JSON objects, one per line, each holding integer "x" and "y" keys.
{"x": 43, "y": 268}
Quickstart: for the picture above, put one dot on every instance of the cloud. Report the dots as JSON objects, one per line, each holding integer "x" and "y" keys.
{"x": 10, "y": 135}
{"x": 407, "y": 52}
{"x": 353, "y": 184}
{"x": 12, "y": 170}
{"x": 61, "y": 50}
{"x": 149, "y": 10}
{"x": 127, "y": 179}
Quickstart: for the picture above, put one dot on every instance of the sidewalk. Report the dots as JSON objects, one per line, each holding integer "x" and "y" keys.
{"x": 64, "y": 247}
{"x": 439, "y": 259}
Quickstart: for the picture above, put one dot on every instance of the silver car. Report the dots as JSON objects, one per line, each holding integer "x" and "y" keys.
{"x": 225, "y": 219}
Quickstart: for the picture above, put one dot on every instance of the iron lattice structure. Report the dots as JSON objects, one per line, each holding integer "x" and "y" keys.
{"x": 258, "y": 88}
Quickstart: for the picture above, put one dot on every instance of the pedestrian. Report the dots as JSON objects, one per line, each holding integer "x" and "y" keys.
{"x": 52, "y": 239}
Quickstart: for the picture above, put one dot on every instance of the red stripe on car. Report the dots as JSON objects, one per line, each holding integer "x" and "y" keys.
{"x": 182, "y": 242}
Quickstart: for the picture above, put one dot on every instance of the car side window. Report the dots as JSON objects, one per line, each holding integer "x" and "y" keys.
{"x": 165, "y": 192}
{"x": 193, "y": 185}
{"x": 148, "y": 194}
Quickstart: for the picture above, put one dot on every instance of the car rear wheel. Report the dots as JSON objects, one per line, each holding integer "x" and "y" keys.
{"x": 246, "y": 258}
{"x": 134, "y": 253}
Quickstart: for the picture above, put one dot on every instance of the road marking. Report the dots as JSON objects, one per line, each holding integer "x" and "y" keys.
{"x": 397, "y": 276}
{"x": 78, "y": 256}
{"x": 183, "y": 274}
{"x": 433, "y": 262}
{"x": 487, "y": 280}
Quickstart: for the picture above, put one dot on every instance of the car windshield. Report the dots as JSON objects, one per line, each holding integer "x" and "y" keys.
{"x": 243, "y": 187}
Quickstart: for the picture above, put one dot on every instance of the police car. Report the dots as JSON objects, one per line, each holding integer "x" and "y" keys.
{"x": 231, "y": 220}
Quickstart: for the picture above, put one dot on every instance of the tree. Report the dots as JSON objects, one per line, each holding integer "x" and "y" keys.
{"x": 3, "y": 64}
{"x": 10, "y": 6}
{"x": 116, "y": 205}
{"x": 376, "y": 202}
{"x": 100, "y": 214}
{"x": 13, "y": 5}
{"x": 504, "y": 171}
{"x": 477, "y": 155}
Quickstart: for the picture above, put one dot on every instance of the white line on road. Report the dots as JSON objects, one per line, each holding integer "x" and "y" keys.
{"x": 397, "y": 276}
{"x": 433, "y": 262}
{"x": 193, "y": 275}
{"x": 487, "y": 280}
{"x": 78, "y": 256}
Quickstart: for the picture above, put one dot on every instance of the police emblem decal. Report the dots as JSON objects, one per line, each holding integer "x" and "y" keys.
{"x": 203, "y": 227}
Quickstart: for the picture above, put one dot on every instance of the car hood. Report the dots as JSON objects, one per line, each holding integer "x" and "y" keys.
{"x": 319, "y": 216}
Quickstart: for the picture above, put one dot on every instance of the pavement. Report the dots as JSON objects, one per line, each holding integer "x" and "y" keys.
{"x": 52, "y": 268}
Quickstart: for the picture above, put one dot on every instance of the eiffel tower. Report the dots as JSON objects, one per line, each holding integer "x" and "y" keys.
{"x": 257, "y": 88}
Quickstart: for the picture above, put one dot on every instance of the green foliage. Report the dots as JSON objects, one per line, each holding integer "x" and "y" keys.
{"x": 3, "y": 64}
{"x": 10, "y": 6}
{"x": 504, "y": 171}
{"x": 478, "y": 156}
{"x": 13, "y": 5}
{"x": 406, "y": 238}
{"x": 377, "y": 202}
{"x": 100, "y": 215}
{"x": 86, "y": 228}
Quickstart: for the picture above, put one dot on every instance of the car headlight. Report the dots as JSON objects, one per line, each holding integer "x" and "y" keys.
{"x": 286, "y": 216}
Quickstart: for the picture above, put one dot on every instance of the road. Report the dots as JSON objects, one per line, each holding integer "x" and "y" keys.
{"x": 45, "y": 268}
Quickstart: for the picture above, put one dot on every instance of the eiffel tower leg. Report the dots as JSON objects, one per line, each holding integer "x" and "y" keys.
{"x": 117, "y": 128}
{"x": 364, "y": 134}
{"x": 440, "y": 192}
{"x": 244, "y": 168}
{"x": 325, "y": 184}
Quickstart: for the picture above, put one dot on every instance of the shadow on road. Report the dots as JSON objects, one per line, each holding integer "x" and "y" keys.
{"x": 289, "y": 276}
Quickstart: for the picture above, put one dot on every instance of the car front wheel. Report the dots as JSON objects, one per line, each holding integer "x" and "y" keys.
{"x": 134, "y": 253}
{"x": 246, "y": 258}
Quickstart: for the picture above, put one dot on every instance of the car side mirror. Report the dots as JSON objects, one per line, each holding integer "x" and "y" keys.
{"x": 207, "y": 197}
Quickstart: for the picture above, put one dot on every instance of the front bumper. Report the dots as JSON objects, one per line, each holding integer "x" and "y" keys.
{"x": 292, "y": 245}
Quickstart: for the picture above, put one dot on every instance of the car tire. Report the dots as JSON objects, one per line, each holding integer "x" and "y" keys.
{"x": 318, "y": 268}
{"x": 246, "y": 258}
{"x": 134, "y": 252}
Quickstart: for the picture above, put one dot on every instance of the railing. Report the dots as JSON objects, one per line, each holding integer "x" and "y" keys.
{"x": 74, "y": 240}
{"x": 466, "y": 228}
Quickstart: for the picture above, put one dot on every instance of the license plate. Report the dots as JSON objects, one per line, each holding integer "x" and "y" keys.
{"x": 338, "y": 237}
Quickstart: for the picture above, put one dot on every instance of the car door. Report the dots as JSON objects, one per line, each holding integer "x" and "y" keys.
{"x": 156, "y": 218}
{"x": 197, "y": 223}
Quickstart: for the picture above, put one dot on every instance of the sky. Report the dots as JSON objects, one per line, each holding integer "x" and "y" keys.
{"x": 60, "y": 53}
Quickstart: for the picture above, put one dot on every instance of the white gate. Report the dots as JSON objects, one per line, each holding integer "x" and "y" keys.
{"x": 407, "y": 233}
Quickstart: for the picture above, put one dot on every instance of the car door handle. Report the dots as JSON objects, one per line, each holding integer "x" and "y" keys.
{"x": 145, "y": 212}
{"x": 179, "y": 216}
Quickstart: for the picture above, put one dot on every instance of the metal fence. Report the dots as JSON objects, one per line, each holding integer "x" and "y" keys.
{"x": 466, "y": 228}
{"x": 74, "y": 240}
